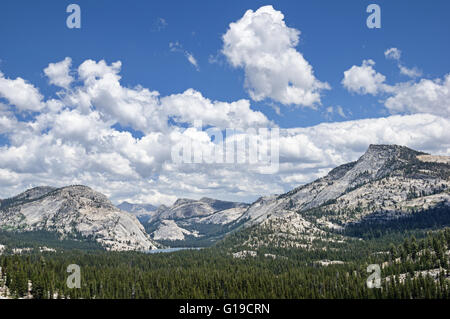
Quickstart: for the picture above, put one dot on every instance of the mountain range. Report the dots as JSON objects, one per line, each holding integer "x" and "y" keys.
{"x": 387, "y": 183}
{"x": 194, "y": 222}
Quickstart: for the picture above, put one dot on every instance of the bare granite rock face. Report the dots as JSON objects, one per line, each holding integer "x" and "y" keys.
{"x": 169, "y": 230}
{"x": 189, "y": 208}
{"x": 388, "y": 181}
{"x": 75, "y": 211}
{"x": 137, "y": 209}
{"x": 193, "y": 218}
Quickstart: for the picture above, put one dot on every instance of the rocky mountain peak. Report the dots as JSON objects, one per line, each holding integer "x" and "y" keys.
{"x": 81, "y": 190}
{"x": 390, "y": 152}
{"x": 207, "y": 200}
{"x": 82, "y": 196}
{"x": 218, "y": 204}
{"x": 376, "y": 165}
{"x": 386, "y": 182}
{"x": 197, "y": 220}
{"x": 380, "y": 160}
{"x": 136, "y": 208}
{"x": 182, "y": 201}
{"x": 35, "y": 192}
{"x": 75, "y": 210}
{"x": 28, "y": 195}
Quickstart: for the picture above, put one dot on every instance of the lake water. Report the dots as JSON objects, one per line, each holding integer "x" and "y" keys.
{"x": 169, "y": 250}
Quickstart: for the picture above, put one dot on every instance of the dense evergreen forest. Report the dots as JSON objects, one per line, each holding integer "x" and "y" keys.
{"x": 36, "y": 239}
{"x": 214, "y": 273}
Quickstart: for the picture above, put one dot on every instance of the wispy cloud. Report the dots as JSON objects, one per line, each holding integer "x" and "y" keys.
{"x": 396, "y": 54}
{"x": 192, "y": 59}
{"x": 393, "y": 54}
{"x": 412, "y": 73}
{"x": 331, "y": 111}
{"x": 159, "y": 24}
{"x": 177, "y": 47}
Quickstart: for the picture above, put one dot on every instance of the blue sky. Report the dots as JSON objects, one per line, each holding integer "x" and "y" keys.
{"x": 334, "y": 36}
{"x": 153, "y": 40}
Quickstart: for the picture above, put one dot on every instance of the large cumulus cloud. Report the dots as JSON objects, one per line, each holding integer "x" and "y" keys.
{"x": 264, "y": 46}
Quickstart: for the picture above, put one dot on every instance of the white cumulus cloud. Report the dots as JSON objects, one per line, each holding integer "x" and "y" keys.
{"x": 58, "y": 73}
{"x": 423, "y": 96}
{"x": 21, "y": 94}
{"x": 364, "y": 79}
{"x": 264, "y": 46}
